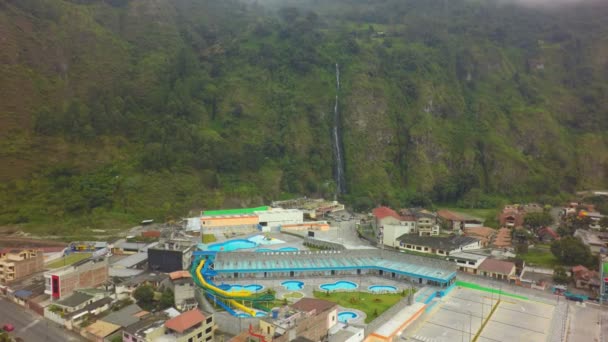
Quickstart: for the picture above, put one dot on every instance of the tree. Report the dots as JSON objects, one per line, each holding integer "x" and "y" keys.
{"x": 571, "y": 251}
{"x": 538, "y": 220}
{"x": 560, "y": 276}
{"x": 167, "y": 299}
{"x": 144, "y": 295}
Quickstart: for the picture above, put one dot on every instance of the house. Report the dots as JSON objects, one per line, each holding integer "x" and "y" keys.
{"x": 99, "y": 331}
{"x": 457, "y": 222}
{"x": 547, "y": 234}
{"x": 346, "y": 333}
{"x": 190, "y": 326}
{"x": 75, "y": 318}
{"x": 75, "y": 301}
{"x": 19, "y": 263}
{"x": 88, "y": 273}
{"x": 125, "y": 289}
{"x": 426, "y": 222}
{"x": 511, "y": 216}
{"x": 391, "y": 225}
{"x": 170, "y": 256}
{"x": 498, "y": 269}
{"x": 126, "y": 316}
{"x": 180, "y": 282}
{"x": 467, "y": 262}
{"x": 585, "y": 278}
{"x": 307, "y": 318}
{"x": 438, "y": 245}
{"x": 484, "y": 234}
{"x": 591, "y": 239}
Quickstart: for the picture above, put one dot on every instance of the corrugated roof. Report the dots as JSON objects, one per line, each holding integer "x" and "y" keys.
{"x": 179, "y": 274}
{"x": 102, "y": 329}
{"x": 496, "y": 266}
{"x": 310, "y": 304}
{"x": 185, "y": 321}
{"x": 125, "y": 316}
{"x": 75, "y": 299}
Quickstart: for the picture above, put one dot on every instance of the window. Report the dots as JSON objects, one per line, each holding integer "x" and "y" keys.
{"x": 208, "y": 330}
{"x": 199, "y": 335}
{"x": 190, "y": 339}
{"x": 333, "y": 318}
{"x": 209, "y": 320}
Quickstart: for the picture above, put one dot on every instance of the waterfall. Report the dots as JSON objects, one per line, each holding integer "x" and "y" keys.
{"x": 336, "y": 139}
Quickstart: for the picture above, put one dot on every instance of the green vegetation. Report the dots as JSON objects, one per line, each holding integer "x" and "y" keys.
{"x": 372, "y": 304}
{"x": 116, "y": 111}
{"x": 538, "y": 220}
{"x": 538, "y": 256}
{"x": 209, "y": 238}
{"x": 560, "y": 276}
{"x": 572, "y": 251}
{"x": 68, "y": 260}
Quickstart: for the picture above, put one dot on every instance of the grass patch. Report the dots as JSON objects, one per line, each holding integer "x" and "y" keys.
{"x": 372, "y": 304}
{"x": 209, "y": 238}
{"x": 68, "y": 260}
{"x": 539, "y": 257}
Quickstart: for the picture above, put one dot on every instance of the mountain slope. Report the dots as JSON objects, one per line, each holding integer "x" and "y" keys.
{"x": 114, "y": 110}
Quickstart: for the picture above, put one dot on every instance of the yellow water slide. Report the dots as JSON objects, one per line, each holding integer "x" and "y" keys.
{"x": 227, "y": 294}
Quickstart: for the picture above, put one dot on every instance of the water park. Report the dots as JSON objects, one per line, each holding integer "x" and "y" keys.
{"x": 247, "y": 277}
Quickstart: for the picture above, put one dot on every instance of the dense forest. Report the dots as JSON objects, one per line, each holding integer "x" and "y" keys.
{"x": 116, "y": 110}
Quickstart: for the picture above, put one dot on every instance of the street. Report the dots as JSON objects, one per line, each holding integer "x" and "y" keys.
{"x": 31, "y": 327}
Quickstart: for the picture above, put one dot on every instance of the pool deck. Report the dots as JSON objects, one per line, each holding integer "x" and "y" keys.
{"x": 311, "y": 284}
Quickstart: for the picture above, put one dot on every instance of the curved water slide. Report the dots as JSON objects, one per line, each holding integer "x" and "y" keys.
{"x": 230, "y": 296}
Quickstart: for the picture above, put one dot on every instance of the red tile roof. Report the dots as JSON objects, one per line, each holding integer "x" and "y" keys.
{"x": 496, "y": 266}
{"x": 382, "y": 212}
{"x": 185, "y": 321}
{"x": 579, "y": 268}
{"x": 310, "y": 304}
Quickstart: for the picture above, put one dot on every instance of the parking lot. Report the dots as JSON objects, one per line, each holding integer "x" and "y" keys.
{"x": 460, "y": 317}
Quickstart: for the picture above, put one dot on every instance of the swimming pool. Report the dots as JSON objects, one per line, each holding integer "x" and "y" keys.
{"x": 339, "y": 285}
{"x": 283, "y": 249}
{"x": 231, "y": 245}
{"x": 382, "y": 288}
{"x": 250, "y": 287}
{"x": 293, "y": 285}
{"x": 261, "y": 240}
{"x": 345, "y": 316}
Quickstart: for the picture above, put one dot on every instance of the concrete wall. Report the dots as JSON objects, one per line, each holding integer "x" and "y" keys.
{"x": 225, "y": 221}
{"x": 278, "y": 217}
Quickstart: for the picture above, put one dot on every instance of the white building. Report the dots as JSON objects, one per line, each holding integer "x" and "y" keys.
{"x": 438, "y": 245}
{"x": 277, "y": 217}
{"x": 467, "y": 262}
{"x": 391, "y": 225}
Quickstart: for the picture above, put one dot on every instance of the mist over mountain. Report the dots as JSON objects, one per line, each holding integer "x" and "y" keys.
{"x": 114, "y": 110}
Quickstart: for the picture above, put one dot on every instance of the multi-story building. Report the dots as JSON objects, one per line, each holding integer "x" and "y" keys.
{"x": 88, "y": 273}
{"x": 389, "y": 225}
{"x": 426, "y": 223}
{"x": 170, "y": 256}
{"x": 308, "y": 318}
{"x": 19, "y": 263}
{"x": 438, "y": 245}
{"x": 191, "y": 326}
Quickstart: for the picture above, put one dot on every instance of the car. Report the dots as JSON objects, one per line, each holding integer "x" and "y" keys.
{"x": 8, "y": 327}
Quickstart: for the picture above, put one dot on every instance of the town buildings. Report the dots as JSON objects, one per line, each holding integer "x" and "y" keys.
{"x": 457, "y": 222}
{"x": 170, "y": 256}
{"x": 18, "y": 263}
{"x": 180, "y": 282}
{"x": 498, "y": 269}
{"x": 438, "y": 245}
{"x": 190, "y": 326}
{"x": 391, "y": 225}
{"x": 308, "y": 318}
{"x": 89, "y": 273}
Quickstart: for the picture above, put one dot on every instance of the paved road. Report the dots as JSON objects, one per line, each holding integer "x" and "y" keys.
{"x": 31, "y": 327}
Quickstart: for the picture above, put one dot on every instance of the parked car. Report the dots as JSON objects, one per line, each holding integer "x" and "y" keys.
{"x": 8, "y": 327}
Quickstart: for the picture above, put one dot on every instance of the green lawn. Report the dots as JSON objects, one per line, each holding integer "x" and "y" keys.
{"x": 70, "y": 259}
{"x": 539, "y": 257}
{"x": 372, "y": 304}
{"x": 209, "y": 238}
